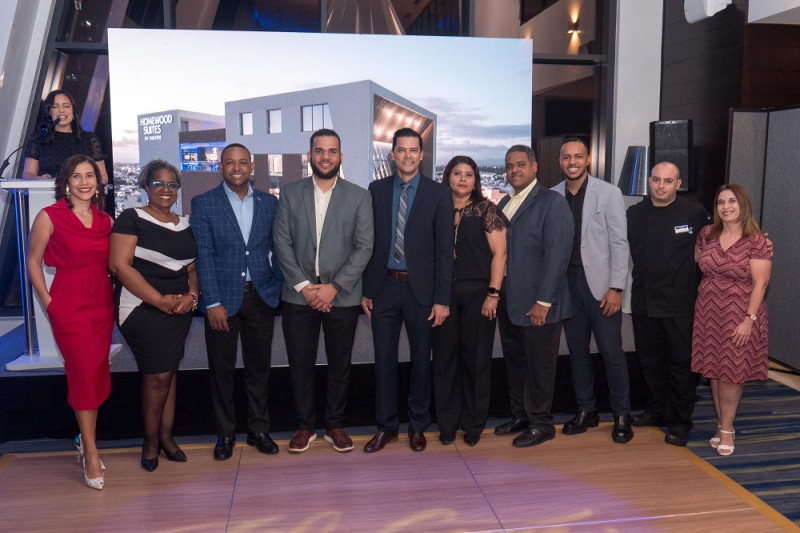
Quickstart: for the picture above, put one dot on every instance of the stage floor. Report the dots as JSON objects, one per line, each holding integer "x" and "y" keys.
{"x": 577, "y": 483}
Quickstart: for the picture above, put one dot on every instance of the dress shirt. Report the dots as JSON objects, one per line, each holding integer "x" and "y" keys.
{"x": 413, "y": 184}
{"x": 321, "y": 201}
{"x": 575, "y": 202}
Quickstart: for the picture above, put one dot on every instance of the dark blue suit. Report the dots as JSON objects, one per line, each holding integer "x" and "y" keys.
{"x": 223, "y": 258}
{"x": 429, "y": 259}
{"x": 539, "y": 238}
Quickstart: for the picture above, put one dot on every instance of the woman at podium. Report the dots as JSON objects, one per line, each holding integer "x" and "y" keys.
{"x": 72, "y": 235}
{"x": 62, "y": 137}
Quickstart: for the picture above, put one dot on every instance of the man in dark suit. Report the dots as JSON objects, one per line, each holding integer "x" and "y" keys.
{"x": 232, "y": 225}
{"x": 323, "y": 241}
{"x": 534, "y": 300}
{"x": 407, "y": 281}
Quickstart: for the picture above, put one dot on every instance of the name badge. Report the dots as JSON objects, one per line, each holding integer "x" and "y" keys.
{"x": 683, "y": 229}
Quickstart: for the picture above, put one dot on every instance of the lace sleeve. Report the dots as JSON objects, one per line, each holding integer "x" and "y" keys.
{"x": 493, "y": 219}
{"x": 33, "y": 151}
{"x": 97, "y": 150}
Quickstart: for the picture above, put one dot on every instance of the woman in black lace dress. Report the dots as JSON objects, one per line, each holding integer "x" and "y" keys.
{"x": 462, "y": 351}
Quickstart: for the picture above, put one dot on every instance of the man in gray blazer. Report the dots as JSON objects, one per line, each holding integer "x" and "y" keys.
{"x": 323, "y": 241}
{"x": 534, "y": 299}
{"x": 598, "y": 270}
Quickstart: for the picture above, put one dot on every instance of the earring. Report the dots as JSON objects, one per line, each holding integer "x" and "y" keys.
{"x": 97, "y": 194}
{"x": 68, "y": 193}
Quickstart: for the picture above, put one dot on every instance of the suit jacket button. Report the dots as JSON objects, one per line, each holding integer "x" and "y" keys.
{"x": 243, "y": 274}
{"x": 247, "y": 253}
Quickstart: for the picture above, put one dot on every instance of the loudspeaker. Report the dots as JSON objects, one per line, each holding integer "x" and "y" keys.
{"x": 671, "y": 140}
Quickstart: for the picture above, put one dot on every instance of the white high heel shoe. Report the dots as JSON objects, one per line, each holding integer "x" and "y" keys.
{"x": 726, "y": 449}
{"x": 714, "y": 441}
{"x": 96, "y": 483}
{"x": 78, "y": 442}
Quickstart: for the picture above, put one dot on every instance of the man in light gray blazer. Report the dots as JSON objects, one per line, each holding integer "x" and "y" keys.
{"x": 598, "y": 270}
{"x": 534, "y": 299}
{"x": 323, "y": 241}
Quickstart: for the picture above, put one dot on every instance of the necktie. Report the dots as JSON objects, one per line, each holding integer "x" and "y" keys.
{"x": 399, "y": 234}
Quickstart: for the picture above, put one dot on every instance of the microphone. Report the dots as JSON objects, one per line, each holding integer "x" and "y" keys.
{"x": 45, "y": 129}
{"x": 50, "y": 125}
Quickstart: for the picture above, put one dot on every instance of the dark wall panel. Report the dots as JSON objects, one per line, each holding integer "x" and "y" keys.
{"x": 702, "y": 81}
{"x": 747, "y": 148}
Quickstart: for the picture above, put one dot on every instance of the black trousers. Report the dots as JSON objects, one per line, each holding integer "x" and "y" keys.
{"x": 301, "y": 327}
{"x": 393, "y": 307}
{"x": 664, "y": 349}
{"x": 530, "y": 354}
{"x": 254, "y": 324}
{"x": 462, "y": 361}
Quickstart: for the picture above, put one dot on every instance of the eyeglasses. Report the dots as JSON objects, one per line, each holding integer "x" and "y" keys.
{"x": 171, "y": 185}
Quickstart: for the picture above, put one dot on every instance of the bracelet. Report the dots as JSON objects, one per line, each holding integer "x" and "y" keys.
{"x": 194, "y": 300}
{"x": 491, "y": 295}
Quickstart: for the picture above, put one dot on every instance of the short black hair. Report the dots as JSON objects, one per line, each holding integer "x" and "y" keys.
{"x": 574, "y": 139}
{"x": 527, "y": 150}
{"x": 406, "y": 132}
{"x": 234, "y": 145}
{"x": 324, "y": 132}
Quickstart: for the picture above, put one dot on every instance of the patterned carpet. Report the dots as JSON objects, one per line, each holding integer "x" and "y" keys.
{"x": 767, "y": 457}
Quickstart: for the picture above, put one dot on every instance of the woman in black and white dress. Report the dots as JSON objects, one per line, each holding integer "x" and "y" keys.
{"x": 153, "y": 253}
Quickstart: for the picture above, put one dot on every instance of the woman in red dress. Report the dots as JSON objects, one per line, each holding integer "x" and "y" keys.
{"x": 72, "y": 235}
{"x": 729, "y": 341}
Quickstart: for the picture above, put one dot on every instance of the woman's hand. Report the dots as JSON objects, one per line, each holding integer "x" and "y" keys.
{"x": 183, "y": 303}
{"x": 489, "y": 308}
{"x": 167, "y": 303}
{"x": 742, "y": 332}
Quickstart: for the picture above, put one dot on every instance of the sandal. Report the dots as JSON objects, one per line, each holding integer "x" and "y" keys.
{"x": 725, "y": 449}
{"x": 714, "y": 441}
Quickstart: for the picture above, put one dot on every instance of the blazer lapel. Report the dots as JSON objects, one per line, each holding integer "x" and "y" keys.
{"x": 529, "y": 200}
{"x": 589, "y": 205}
{"x": 225, "y": 206}
{"x": 307, "y": 192}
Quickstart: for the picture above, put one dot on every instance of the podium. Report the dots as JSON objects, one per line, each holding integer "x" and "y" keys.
{"x": 40, "y": 194}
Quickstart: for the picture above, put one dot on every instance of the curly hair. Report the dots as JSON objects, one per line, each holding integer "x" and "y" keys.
{"x": 68, "y": 169}
{"x": 146, "y": 174}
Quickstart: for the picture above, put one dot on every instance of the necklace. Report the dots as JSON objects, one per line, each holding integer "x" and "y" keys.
{"x": 459, "y": 216}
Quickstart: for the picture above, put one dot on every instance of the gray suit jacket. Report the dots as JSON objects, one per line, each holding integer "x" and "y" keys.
{"x": 604, "y": 236}
{"x": 345, "y": 245}
{"x": 539, "y": 240}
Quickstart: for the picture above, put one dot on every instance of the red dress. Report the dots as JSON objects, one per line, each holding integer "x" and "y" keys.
{"x": 82, "y": 310}
{"x": 722, "y": 301}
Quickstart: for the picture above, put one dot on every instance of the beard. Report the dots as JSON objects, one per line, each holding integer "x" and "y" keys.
{"x": 325, "y": 175}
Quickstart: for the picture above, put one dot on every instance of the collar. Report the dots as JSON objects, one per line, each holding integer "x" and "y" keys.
{"x": 524, "y": 192}
{"x": 232, "y": 195}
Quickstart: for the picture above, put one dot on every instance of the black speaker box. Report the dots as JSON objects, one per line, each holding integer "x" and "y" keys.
{"x": 671, "y": 140}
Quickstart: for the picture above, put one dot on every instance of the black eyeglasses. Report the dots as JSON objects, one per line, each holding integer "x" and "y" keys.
{"x": 172, "y": 185}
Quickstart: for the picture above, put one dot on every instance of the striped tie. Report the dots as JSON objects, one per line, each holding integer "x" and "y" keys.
{"x": 399, "y": 234}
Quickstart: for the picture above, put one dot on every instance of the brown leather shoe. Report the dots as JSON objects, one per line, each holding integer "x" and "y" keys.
{"x": 381, "y": 439}
{"x": 416, "y": 441}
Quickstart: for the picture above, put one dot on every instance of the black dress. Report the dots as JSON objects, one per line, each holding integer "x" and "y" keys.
{"x": 52, "y": 151}
{"x": 163, "y": 252}
{"x": 463, "y": 344}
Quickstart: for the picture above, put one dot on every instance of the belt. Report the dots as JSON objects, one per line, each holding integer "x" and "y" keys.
{"x": 399, "y": 275}
{"x": 248, "y": 286}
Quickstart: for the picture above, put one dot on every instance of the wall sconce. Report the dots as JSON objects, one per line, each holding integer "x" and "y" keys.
{"x": 573, "y": 28}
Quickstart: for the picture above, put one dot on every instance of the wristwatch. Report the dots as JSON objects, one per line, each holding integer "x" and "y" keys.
{"x": 615, "y": 289}
{"x": 753, "y": 317}
{"x": 492, "y": 290}
{"x": 336, "y": 286}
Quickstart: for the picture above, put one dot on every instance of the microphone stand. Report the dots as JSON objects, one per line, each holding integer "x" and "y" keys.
{"x": 46, "y": 129}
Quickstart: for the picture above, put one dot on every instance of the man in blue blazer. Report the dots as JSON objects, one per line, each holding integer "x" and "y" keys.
{"x": 598, "y": 271}
{"x": 534, "y": 299}
{"x": 323, "y": 241}
{"x": 239, "y": 284}
{"x": 407, "y": 281}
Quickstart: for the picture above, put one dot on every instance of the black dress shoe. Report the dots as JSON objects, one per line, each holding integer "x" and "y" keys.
{"x": 581, "y": 422}
{"x": 263, "y": 442}
{"x": 149, "y": 464}
{"x": 677, "y": 436}
{"x": 622, "y": 432}
{"x": 647, "y": 419}
{"x": 417, "y": 441}
{"x": 447, "y": 438}
{"x": 515, "y": 425}
{"x": 532, "y": 437}
{"x": 380, "y": 440}
{"x": 224, "y": 448}
{"x": 471, "y": 439}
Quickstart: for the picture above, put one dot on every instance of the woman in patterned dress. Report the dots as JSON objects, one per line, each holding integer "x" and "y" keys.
{"x": 152, "y": 254}
{"x": 729, "y": 341}
{"x": 463, "y": 344}
{"x": 72, "y": 236}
